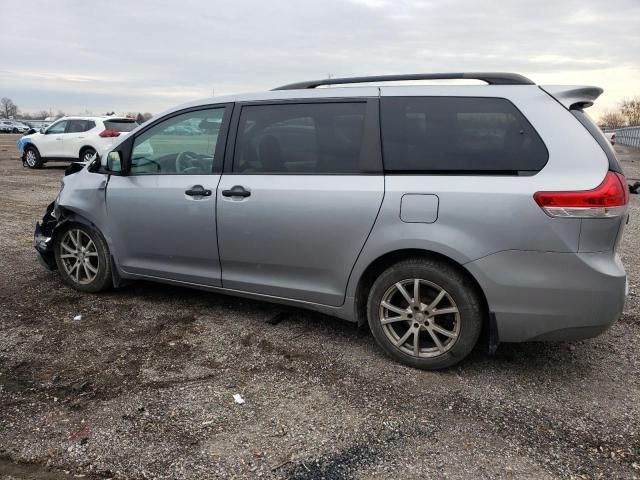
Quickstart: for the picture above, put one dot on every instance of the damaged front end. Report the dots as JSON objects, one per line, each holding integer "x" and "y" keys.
{"x": 43, "y": 238}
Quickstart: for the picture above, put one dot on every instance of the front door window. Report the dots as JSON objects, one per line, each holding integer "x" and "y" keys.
{"x": 57, "y": 128}
{"x": 182, "y": 145}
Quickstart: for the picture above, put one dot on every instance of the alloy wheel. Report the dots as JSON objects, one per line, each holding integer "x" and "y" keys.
{"x": 79, "y": 256}
{"x": 420, "y": 318}
{"x": 31, "y": 159}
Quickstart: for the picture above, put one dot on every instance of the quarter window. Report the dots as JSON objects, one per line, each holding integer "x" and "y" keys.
{"x": 181, "y": 145}
{"x": 312, "y": 138}
{"x": 458, "y": 135}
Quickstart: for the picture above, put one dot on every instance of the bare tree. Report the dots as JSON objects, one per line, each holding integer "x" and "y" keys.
{"x": 612, "y": 119}
{"x": 42, "y": 114}
{"x": 8, "y": 108}
{"x": 147, "y": 116}
{"x": 139, "y": 118}
{"x": 630, "y": 108}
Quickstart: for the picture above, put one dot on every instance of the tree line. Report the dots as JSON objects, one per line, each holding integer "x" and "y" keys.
{"x": 9, "y": 109}
{"x": 626, "y": 115}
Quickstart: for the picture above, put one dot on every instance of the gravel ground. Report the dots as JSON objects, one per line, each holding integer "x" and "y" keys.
{"x": 142, "y": 386}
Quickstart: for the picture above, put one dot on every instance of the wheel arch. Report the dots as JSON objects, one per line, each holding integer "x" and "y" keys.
{"x": 68, "y": 216}
{"x": 381, "y": 263}
{"x": 30, "y": 144}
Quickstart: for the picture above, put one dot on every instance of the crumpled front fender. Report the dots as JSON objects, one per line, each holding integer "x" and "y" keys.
{"x": 43, "y": 238}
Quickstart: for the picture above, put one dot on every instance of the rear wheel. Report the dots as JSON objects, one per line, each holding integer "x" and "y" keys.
{"x": 425, "y": 313}
{"x": 83, "y": 258}
{"x": 32, "y": 157}
{"x": 86, "y": 154}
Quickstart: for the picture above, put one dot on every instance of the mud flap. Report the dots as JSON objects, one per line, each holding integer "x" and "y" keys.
{"x": 494, "y": 338}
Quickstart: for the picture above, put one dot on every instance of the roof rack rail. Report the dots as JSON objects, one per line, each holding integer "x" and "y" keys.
{"x": 492, "y": 78}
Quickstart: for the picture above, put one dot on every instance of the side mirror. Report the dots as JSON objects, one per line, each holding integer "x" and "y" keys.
{"x": 42, "y": 130}
{"x": 114, "y": 163}
{"x": 117, "y": 162}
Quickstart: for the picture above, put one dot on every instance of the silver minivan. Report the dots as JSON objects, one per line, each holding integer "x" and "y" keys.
{"x": 432, "y": 212}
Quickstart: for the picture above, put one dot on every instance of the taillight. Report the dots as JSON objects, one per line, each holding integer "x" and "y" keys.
{"x": 609, "y": 199}
{"x": 109, "y": 133}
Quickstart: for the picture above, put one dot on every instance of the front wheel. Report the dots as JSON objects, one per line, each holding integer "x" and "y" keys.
{"x": 83, "y": 258}
{"x": 32, "y": 158}
{"x": 425, "y": 313}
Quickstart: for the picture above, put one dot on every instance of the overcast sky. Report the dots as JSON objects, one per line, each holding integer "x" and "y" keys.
{"x": 148, "y": 55}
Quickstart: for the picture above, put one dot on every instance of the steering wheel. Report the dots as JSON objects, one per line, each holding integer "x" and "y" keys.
{"x": 189, "y": 162}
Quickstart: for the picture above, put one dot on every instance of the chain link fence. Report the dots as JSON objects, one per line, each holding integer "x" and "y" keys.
{"x": 629, "y": 136}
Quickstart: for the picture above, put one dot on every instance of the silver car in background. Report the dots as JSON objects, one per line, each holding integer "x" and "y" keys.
{"x": 430, "y": 212}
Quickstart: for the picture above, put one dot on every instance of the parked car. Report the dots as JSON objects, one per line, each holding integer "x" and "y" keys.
{"x": 35, "y": 127}
{"x": 611, "y": 136}
{"x": 430, "y": 212}
{"x": 73, "y": 138}
{"x": 13, "y": 126}
{"x": 20, "y": 127}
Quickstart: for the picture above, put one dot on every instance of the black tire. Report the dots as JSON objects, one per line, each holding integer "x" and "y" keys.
{"x": 460, "y": 294}
{"x": 32, "y": 157}
{"x": 81, "y": 278}
{"x": 86, "y": 152}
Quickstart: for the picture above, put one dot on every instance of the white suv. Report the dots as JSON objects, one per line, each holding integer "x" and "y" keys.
{"x": 73, "y": 138}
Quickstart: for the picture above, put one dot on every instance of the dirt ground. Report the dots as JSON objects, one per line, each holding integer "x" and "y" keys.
{"x": 142, "y": 386}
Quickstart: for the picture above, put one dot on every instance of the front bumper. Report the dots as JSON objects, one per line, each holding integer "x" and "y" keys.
{"x": 43, "y": 238}
{"x": 551, "y": 296}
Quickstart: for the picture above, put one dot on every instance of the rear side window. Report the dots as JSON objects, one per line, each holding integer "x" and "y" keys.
{"x": 460, "y": 135}
{"x": 79, "y": 126}
{"x": 320, "y": 138}
{"x": 120, "y": 125}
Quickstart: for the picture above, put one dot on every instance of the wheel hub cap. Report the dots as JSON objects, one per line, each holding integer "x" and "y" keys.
{"x": 79, "y": 256}
{"x": 420, "y": 318}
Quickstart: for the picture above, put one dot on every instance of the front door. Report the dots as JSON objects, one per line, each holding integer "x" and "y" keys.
{"x": 300, "y": 199}
{"x": 51, "y": 144}
{"x": 161, "y": 216}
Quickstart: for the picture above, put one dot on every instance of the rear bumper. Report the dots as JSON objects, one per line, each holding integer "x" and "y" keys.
{"x": 551, "y": 296}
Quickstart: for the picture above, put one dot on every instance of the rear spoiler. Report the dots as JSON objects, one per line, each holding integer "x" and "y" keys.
{"x": 573, "y": 96}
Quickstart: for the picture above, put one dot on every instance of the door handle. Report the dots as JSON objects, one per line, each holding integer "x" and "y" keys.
{"x": 236, "y": 191}
{"x": 198, "y": 191}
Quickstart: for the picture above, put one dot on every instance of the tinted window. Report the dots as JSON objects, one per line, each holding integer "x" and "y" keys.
{"x": 79, "y": 126}
{"x": 120, "y": 125}
{"x": 458, "y": 134}
{"x": 57, "y": 127}
{"x": 301, "y": 138}
{"x": 181, "y": 145}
